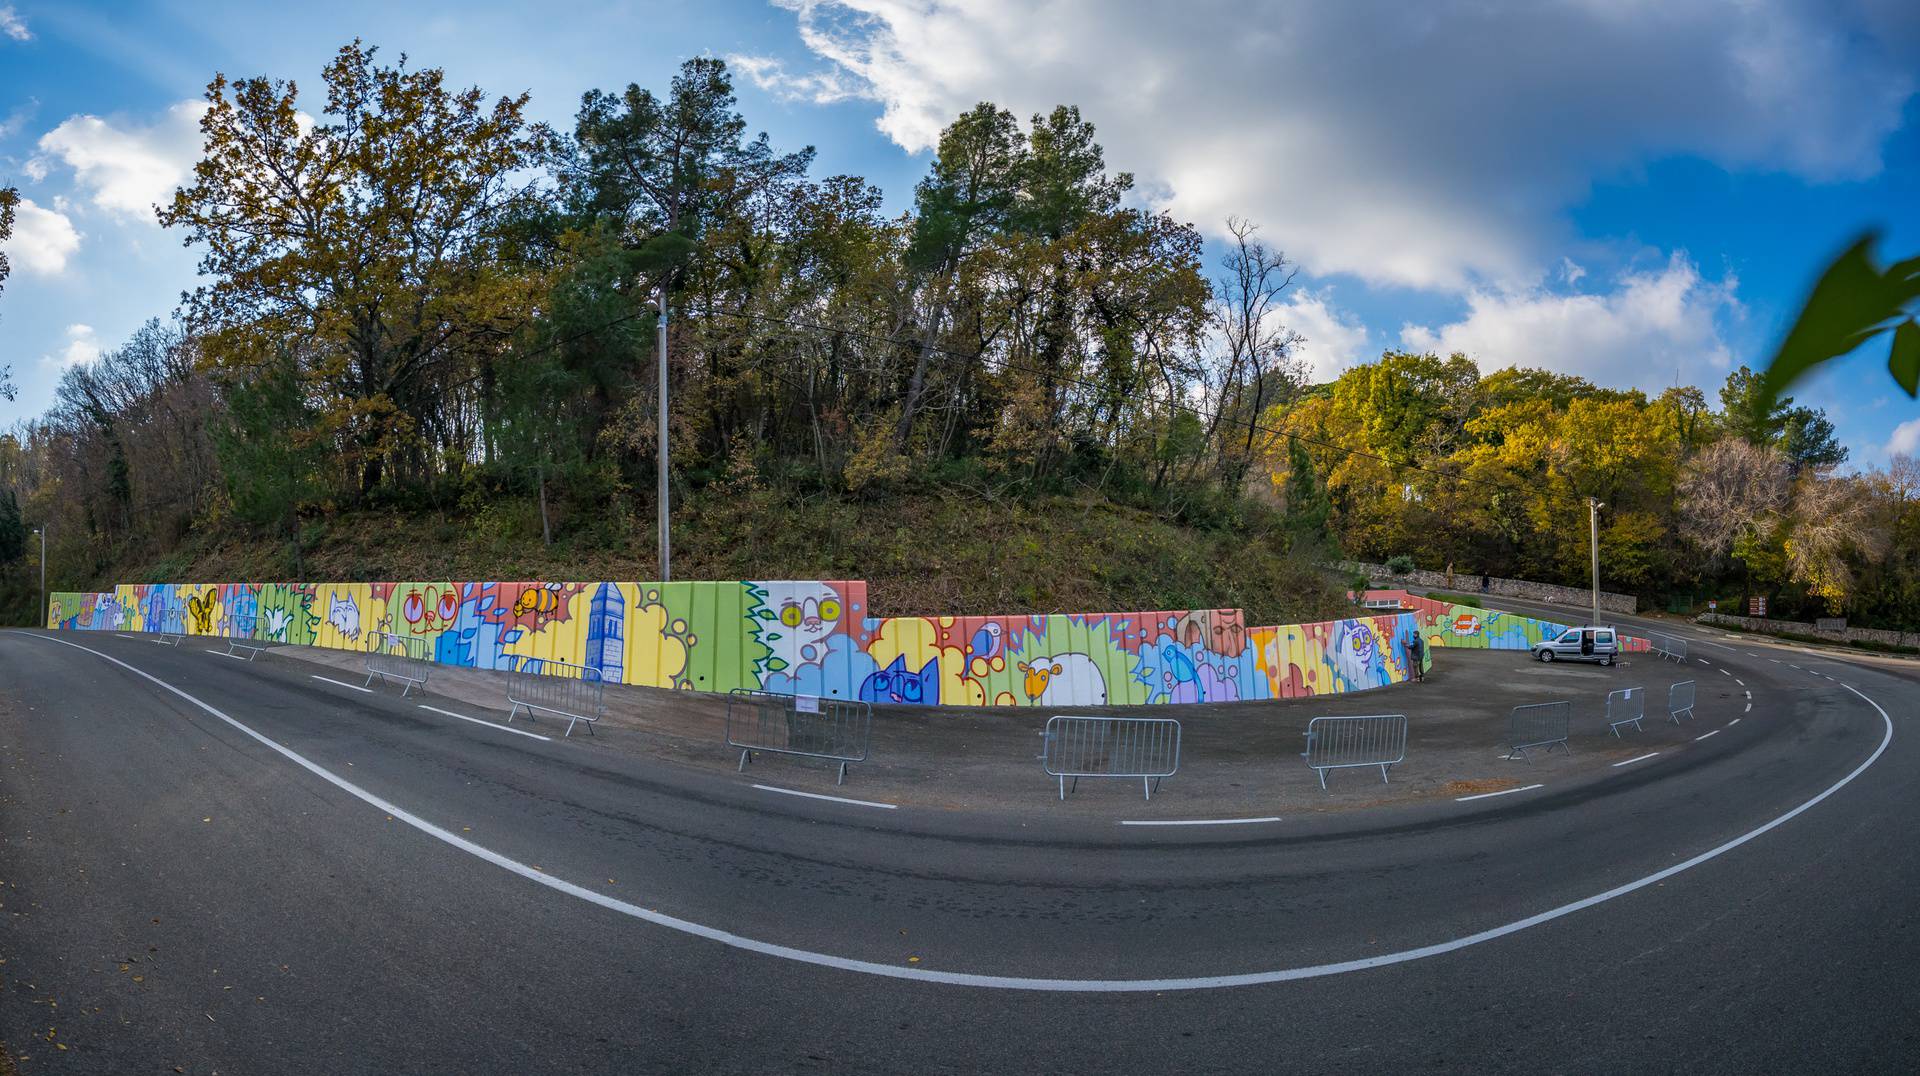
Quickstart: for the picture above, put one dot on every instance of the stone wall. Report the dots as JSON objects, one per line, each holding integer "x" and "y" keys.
{"x": 1465, "y": 582}
{"x": 1800, "y": 627}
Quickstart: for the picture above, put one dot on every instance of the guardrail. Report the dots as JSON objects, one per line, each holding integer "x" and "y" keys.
{"x": 571, "y": 691}
{"x": 1541, "y": 724}
{"x": 837, "y": 730}
{"x": 1669, "y": 647}
{"x": 239, "y": 629}
{"x": 1079, "y": 746}
{"x": 397, "y": 657}
{"x": 1337, "y": 743}
{"x": 1626, "y": 706}
{"x": 1680, "y": 701}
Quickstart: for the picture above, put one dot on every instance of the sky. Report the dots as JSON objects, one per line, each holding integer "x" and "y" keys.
{"x": 1636, "y": 191}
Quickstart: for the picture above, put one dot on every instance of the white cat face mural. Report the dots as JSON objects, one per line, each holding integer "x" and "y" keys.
{"x": 344, "y": 615}
{"x": 804, "y": 614}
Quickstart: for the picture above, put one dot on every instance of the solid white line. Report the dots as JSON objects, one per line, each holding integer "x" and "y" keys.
{"x": 1631, "y": 761}
{"x": 1704, "y": 735}
{"x": 1201, "y": 821}
{"x": 342, "y": 683}
{"x": 1009, "y": 982}
{"x": 830, "y": 799}
{"x": 489, "y": 724}
{"x": 1502, "y": 792}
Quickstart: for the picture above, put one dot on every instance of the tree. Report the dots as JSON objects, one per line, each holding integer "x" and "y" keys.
{"x": 1257, "y": 362}
{"x": 9, "y": 197}
{"x": 13, "y": 529}
{"x": 270, "y": 449}
{"x": 1747, "y": 411}
{"x": 1809, "y": 441}
{"x": 1307, "y": 506}
{"x": 367, "y": 236}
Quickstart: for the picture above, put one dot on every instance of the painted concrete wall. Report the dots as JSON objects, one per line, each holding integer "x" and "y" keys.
{"x": 1448, "y": 624}
{"x": 794, "y": 637}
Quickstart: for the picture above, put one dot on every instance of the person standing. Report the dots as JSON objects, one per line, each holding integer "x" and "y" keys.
{"x": 1416, "y": 654}
{"x": 1449, "y": 575}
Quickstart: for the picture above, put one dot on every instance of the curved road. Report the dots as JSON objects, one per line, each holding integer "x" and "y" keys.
{"x": 226, "y": 867}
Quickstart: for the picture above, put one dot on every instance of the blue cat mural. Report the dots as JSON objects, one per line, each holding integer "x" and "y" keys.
{"x": 895, "y": 684}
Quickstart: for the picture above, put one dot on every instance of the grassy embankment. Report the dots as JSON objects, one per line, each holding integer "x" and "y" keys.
{"x": 922, "y": 554}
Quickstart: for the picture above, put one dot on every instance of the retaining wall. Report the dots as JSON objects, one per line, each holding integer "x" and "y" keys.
{"x": 1448, "y": 624}
{"x": 1800, "y": 627}
{"x": 791, "y": 637}
{"x": 1469, "y": 583}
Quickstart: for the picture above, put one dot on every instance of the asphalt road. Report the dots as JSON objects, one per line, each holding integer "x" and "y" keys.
{"x": 230, "y": 867}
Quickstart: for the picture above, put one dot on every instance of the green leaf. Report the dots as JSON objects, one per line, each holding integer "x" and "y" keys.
{"x": 1905, "y": 358}
{"x": 1851, "y": 303}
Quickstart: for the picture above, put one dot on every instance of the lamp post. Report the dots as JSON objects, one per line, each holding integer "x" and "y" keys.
{"x": 1593, "y": 527}
{"x": 42, "y": 532}
{"x": 660, "y": 491}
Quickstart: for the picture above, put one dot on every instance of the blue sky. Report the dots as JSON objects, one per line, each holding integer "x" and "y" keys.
{"x": 1638, "y": 193}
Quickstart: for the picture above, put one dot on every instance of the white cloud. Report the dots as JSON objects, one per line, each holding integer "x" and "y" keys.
{"x": 819, "y": 87}
{"x": 1435, "y": 145}
{"x": 127, "y": 168}
{"x": 1655, "y": 325}
{"x": 1905, "y": 440}
{"x": 82, "y": 347}
{"x": 43, "y": 239}
{"x": 1334, "y": 340}
{"x": 12, "y": 25}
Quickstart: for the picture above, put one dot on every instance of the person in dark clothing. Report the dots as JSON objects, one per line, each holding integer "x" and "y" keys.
{"x": 1416, "y": 654}
{"x": 1486, "y": 583}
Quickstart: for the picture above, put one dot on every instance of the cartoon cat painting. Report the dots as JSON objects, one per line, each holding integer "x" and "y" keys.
{"x": 895, "y": 684}
{"x": 801, "y": 615}
{"x": 344, "y": 615}
{"x": 1356, "y": 655}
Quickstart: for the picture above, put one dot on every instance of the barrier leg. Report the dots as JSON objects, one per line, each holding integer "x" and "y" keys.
{"x": 1063, "y": 789}
{"x": 370, "y": 677}
{"x": 843, "y": 775}
{"x": 1146, "y": 788}
{"x": 742, "y": 768}
{"x": 1323, "y": 777}
{"x": 511, "y": 714}
{"x": 1383, "y": 773}
{"x": 407, "y": 688}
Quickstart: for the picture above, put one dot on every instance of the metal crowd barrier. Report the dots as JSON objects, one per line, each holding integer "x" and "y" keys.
{"x": 574, "y": 692}
{"x": 838, "y": 730}
{"x": 172, "y": 628}
{"x": 240, "y": 629}
{"x": 1627, "y": 706}
{"x": 1669, "y": 647}
{"x": 1680, "y": 701}
{"x": 398, "y": 657}
{"x": 1335, "y": 743}
{"x": 1144, "y": 747}
{"x": 1541, "y": 724}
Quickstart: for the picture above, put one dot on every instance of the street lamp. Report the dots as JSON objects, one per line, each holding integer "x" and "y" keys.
{"x": 660, "y": 492}
{"x": 42, "y": 532}
{"x": 1593, "y": 526}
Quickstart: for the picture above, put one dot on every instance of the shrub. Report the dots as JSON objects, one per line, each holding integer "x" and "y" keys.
{"x": 1400, "y": 564}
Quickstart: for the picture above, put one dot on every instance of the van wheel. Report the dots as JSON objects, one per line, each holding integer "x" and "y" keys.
{"x": 1546, "y": 656}
{"x": 1606, "y": 661}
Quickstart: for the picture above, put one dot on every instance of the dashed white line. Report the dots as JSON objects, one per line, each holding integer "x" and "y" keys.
{"x": 1704, "y": 735}
{"x": 1739, "y": 681}
{"x": 223, "y": 654}
{"x": 1724, "y": 672}
{"x": 1736, "y": 720}
{"x": 1502, "y": 792}
{"x": 1200, "y": 821}
{"x": 489, "y": 724}
{"x": 831, "y": 799}
{"x": 341, "y": 683}
{"x": 1631, "y": 761}
{"x": 1748, "y": 710}
{"x": 123, "y": 635}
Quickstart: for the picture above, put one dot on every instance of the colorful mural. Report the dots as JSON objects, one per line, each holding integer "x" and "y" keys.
{"x": 1447, "y": 624}
{"x": 807, "y": 637}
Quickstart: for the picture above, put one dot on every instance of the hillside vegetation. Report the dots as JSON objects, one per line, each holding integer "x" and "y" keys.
{"x": 423, "y": 344}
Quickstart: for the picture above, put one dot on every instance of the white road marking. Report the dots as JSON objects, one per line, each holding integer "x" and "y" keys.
{"x": 1748, "y": 710}
{"x": 1008, "y": 982}
{"x": 1201, "y": 821}
{"x": 1734, "y": 722}
{"x": 342, "y": 683}
{"x": 124, "y": 635}
{"x": 1724, "y": 672}
{"x": 1502, "y": 792}
{"x": 830, "y": 799}
{"x": 223, "y": 654}
{"x": 489, "y": 724}
{"x": 1776, "y": 661}
{"x": 1748, "y": 694}
{"x": 1631, "y": 761}
{"x": 1704, "y": 735}
{"x": 1739, "y": 681}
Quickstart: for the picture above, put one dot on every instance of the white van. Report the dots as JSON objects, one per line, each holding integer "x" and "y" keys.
{"x": 1591, "y": 643}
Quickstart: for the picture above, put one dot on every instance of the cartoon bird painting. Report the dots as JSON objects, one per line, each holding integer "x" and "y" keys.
{"x": 986, "y": 641}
